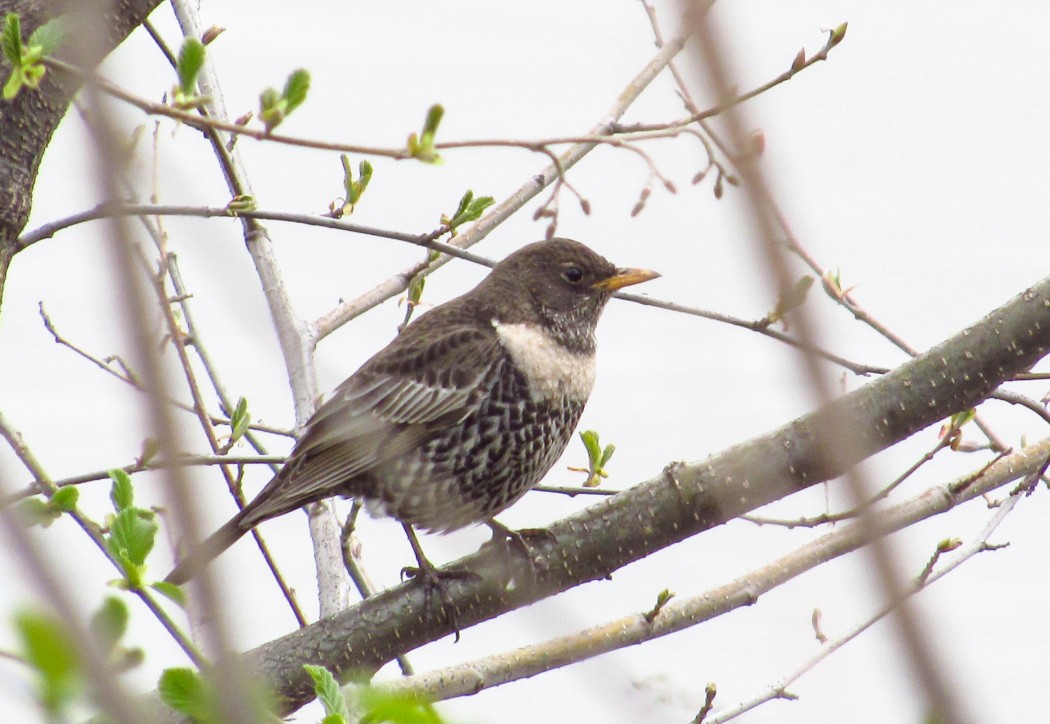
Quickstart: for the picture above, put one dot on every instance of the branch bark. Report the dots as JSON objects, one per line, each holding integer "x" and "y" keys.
{"x": 471, "y": 677}
{"x": 28, "y": 122}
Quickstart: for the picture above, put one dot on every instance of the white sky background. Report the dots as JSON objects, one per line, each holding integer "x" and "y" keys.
{"x": 915, "y": 160}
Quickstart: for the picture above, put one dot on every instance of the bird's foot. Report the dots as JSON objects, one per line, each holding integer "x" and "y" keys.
{"x": 434, "y": 581}
{"x": 520, "y": 539}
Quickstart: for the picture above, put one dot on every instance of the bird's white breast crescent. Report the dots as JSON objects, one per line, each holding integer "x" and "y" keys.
{"x": 552, "y": 370}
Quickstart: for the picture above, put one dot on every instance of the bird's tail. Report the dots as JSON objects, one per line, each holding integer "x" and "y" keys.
{"x": 212, "y": 546}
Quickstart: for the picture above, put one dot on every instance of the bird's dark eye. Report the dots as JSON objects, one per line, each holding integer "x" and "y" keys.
{"x": 572, "y": 274}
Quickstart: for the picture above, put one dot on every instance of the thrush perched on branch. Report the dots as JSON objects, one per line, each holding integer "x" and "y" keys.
{"x": 460, "y": 415}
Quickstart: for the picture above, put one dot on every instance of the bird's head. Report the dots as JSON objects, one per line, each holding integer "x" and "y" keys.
{"x": 561, "y": 284}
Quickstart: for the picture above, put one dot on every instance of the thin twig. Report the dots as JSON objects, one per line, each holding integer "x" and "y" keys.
{"x": 128, "y": 376}
{"x": 139, "y": 466}
{"x": 838, "y": 446}
{"x": 194, "y": 337}
{"x": 92, "y": 530}
{"x": 613, "y": 134}
{"x": 179, "y": 340}
{"x": 500, "y": 212}
{"x": 920, "y": 583}
{"x": 856, "y": 510}
{"x": 683, "y": 612}
{"x": 110, "y": 693}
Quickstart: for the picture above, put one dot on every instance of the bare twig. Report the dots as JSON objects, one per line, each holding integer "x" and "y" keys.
{"x": 684, "y": 612}
{"x": 500, "y": 212}
{"x": 941, "y": 701}
{"x": 921, "y": 582}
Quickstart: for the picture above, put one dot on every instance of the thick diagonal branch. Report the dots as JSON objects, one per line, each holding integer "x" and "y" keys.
{"x": 682, "y": 501}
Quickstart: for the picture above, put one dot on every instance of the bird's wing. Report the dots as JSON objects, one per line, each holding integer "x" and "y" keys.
{"x": 422, "y": 382}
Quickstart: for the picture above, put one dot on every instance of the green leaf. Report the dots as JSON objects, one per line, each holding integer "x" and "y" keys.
{"x": 477, "y": 208}
{"x": 13, "y": 85}
{"x": 348, "y": 172}
{"x": 358, "y": 187}
{"x": 274, "y": 107}
{"x": 271, "y": 108}
{"x": 191, "y": 60}
{"x": 49, "y": 36}
{"x": 333, "y": 719}
{"x": 184, "y": 691}
{"x": 240, "y": 203}
{"x": 150, "y": 448}
{"x": 365, "y": 169}
{"x": 131, "y": 537}
{"x": 352, "y": 188}
{"x": 26, "y": 59}
{"x": 122, "y": 494}
{"x": 469, "y": 209}
{"x": 464, "y": 203}
{"x": 12, "y": 39}
{"x": 590, "y": 441}
{"x": 434, "y": 115}
{"x": 421, "y": 147}
{"x": 171, "y": 592}
{"x": 47, "y": 647}
{"x": 269, "y": 98}
{"x": 415, "y": 289}
{"x": 35, "y": 511}
{"x": 328, "y": 692}
{"x": 32, "y": 74}
{"x": 381, "y": 706}
{"x": 110, "y": 622}
{"x": 596, "y": 458}
{"x": 240, "y": 420}
{"x": 793, "y": 298}
{"x": 65, "y": 499}
{"x": 295, "y": 89}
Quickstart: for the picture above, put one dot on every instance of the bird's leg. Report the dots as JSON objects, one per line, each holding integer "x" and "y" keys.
{"x": 433, "y": 579}
{"x": 520, "y": 539}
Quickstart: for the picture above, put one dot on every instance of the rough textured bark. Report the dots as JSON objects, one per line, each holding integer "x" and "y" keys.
{"x": 28, "y": 122}
{"x": 683, "y": 500}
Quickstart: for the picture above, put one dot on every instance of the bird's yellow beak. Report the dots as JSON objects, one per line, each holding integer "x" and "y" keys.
{"x": 624, "y": 278}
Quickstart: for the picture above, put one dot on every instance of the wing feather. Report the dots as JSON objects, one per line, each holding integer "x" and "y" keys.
{"x": 418, "y": 385}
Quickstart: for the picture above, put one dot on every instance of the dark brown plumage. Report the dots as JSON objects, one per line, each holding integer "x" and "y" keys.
{"x": 462, "y": 413}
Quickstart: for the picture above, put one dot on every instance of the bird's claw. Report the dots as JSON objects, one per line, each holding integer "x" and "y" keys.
{"x": 433, "y": 580}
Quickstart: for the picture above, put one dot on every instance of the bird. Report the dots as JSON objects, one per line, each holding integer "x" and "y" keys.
{"x": 462, "y": 413}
